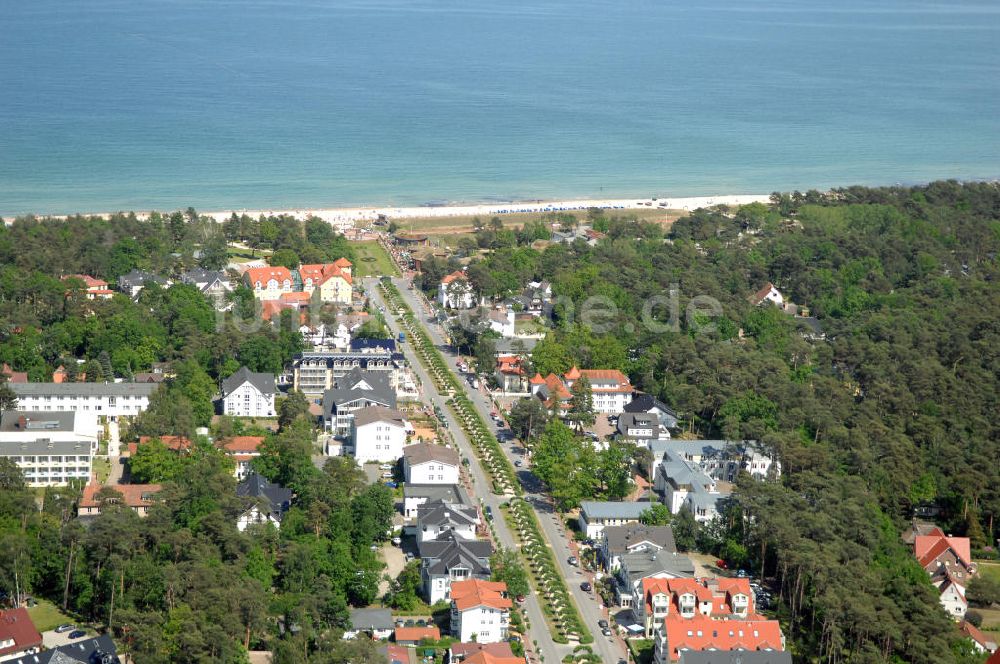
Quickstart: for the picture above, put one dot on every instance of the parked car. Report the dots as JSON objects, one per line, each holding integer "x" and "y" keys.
{"x": 743, "y": 574}
{"x": 386, "y": 466}
{"x": 520, "y": 599}
{"x": 518, "y": 463}
{"x": 586, "y": 587}
{"x": 391, "y": 484}
{"x": 488, "y": 511}
{"x": 77, "y": 634}
{"x": 65, "y": 627}
{"x": 387, "y": 475}
{"x": 409, "y": 556}
{"x": 606, "y": 632}
{"x": 572, "y": 560}
{"x": 397, "y": 540}
{"x": 602, "y": 623}
{"x": 721, "y": 564}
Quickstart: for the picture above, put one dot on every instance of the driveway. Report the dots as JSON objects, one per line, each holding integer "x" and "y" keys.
{"x": 395, "y": 561}
{"x": 52, "y": 639}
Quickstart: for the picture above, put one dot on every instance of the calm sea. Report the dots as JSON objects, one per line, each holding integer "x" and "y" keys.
{"x": 117, "y": 104}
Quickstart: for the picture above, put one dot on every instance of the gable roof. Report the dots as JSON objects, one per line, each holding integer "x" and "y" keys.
{"x": 928, "y": 547}
{"x": 16, "y": 626}
{"x": 448, "y": 552}
{"x": 735, "y": 657}
{"x": 643, "y": 402}
{"x": 265, "y": 274}
{"x": 372, "y": 414}
{"x": 440, "y": 513}
{"x": 620, "y": 539}
{"x": 86, "y": 651}
{"x": 472, "y": 593}
{"x": 275, "y": 496}
{"x": 133, "y": 495}
{"x": 457, "y": 274}
{"x": 968, "y": 629}
{"x": 430, "y": 453}
{"x": 450, "y": 493}
{"x": 703, "y": 633}
{"x": 14, "y": 376}
{"x": 264, "y": 382}
{"x": 241, "y": 444}
{"x": 489, "y": 658}
{"x": 759, "y": 296}
{"x": 357, "y": 384}
{"x": 467, "y": 649}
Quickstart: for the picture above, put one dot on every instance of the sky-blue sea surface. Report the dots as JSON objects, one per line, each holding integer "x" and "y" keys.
{"x": 227, "y": 104}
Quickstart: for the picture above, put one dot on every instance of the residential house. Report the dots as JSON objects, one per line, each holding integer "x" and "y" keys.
{"x": 333, "y": 281}
{"x": 50, "y": 449}
{"x": 13, "y": 376}
{"x": 634, "y": 567}
{"x": 948, "y": 560}
{"x": 518, "y": 346}
{"x": 436, "y": 519}
{"x": 657, "y": 599}
{"x": 499, "y": 652}
{"x": 428, "y": 463}
{"x": 768, "y": 294}
{"x": 131, "y": 283}
{"x": 510, "y": 375}
{"x": 415, "y": 495}
{"x": 248, "y": 394}
{"x": 351, "y": 392}
{"x": 646, "y": 403}
{"x": 179, "y": 444}
{"x": 18, "y": 634}
{"x": 536, "y": 299}
{"x": 610, "y": 390}
{"x": 315, "y": 372}
{"x": 450, "y": 559}
{"x": 455, "y": 291}
{"x": 480, "y": 611}
{"x": 501, "y": 322}
{"x": 268, "y": 283}
{"x": 377, "y": 623}
{"x": 378, "y": 434}
{"x": 982, "y": 642}
{"x": 641, "y": 426}
{"x": 395, "y": 653}
{"x": 111, "y": 400}
{"x": 89, "y": 650}
{"x": 137, "y": 497}
{"x": 213, "y": 284}
{"x": 242, "y": 450}
{"x": 412, "y": 636}
{"x": 490, "y": 658}
{"x": 267, "y": 502}
{"x": 634, "y": 538}
{"x": 93, "y": 288}
{"x": 720, "y": 459}
{"x": 596, "y": 515}
{"x": 679, "y": 636}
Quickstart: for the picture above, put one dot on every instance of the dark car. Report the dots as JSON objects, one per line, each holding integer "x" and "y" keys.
{"x": 586, "y": 587}
{"x": 77, "y": 634}
{"x": 602, "y": 623}
{"x": 572, "y": 560}
{"x": 391, "y": 484}
{"x": 489, "y": 513}
{"x": 606, "y": 632}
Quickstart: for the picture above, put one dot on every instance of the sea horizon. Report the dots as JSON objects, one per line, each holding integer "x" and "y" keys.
{"x": 280, "y": 104}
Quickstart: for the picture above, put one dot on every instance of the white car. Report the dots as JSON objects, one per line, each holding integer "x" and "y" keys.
{"x": 387, "y": 475}
{"x": 386, "y": 466}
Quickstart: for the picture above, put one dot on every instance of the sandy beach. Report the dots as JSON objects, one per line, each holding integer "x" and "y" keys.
{"x": 347, "y": 216}
{"x": 341, "y": 215}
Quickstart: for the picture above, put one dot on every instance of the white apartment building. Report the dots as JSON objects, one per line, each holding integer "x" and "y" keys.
{"x": 480, "y": 611}
{"x": 112, "y": 400}
{"x": 248, "y": 394}
{"x": 428, "y": 463}
{"x": 378, "y": 434}
{"x": 50, "y": 448}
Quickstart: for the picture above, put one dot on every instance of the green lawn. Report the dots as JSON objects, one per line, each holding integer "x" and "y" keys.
{"x": 47, "y": 615}
{"x": 371, "y": 260}
{"x": 990, "y": 570}
{"x": 103, "y": 468}
{"x": 642, "y": 650}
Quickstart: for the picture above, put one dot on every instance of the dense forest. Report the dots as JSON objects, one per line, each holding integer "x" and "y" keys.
{"x": 895, "y": 409}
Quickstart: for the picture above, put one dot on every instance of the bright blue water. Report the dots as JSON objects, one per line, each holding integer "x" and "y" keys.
{"x": 114, "y": 104}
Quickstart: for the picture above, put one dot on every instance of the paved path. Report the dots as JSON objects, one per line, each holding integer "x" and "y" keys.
{"x": 539, "y": 629}
{"x": 591, "y": 609}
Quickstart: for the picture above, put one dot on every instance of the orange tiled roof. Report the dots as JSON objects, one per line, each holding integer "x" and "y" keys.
{"x": 294, "y": 298}
{"x": 928, "y": 547}
{"x": 510, "y": 364}
{"x": 175, "y": 443}
{"x": 759, "y": 296}
{"x": 92, "y": 282}
{"x": 474, "y": 592}
{"x": 703, "y": 633}
{"x": 242, "y": 444}
{"x": 417, "y": 633}
{"x": 343, "y": 262}
{"x": 14, "y": 376}
{"x": 573, "y": 374}
{"x": 265, "y": 274}
{"x": 484, "y": 657}
{"x": 133, "y": 495}
{"x": 537, "y": 379}
{"x": 457, "y": 274}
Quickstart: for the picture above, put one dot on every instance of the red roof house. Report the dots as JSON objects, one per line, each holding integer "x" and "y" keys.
{"x": 18, "y": 634}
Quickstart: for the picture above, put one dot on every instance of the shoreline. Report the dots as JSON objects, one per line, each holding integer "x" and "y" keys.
{"x": 345, "y": 215}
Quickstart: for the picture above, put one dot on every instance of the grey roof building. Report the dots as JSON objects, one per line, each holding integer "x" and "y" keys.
{"x": 637, "y": 566}
{"x": 90, "y": 650}
{"x": 23, "y": 421}
{"x": 371, "y": 619}
{"x": 264, "y": 382}
{"x": 437, "y": 518}
{"x": 415, "y": 495}
{"x": 452, "y": 558}
{"x": 641, "y": 426}
{"x": 274, "y": 499}
{"x": 513, "y": 345}
{"x": 646, "y": 403}
{"x": 354, "y": 390}
{"x": 634, "y": 538}
{"x": 132, "y": 282}
{"x": 595, "y": 515}
{"x": 28, "y": 390}
{"x": 424, "y": 452}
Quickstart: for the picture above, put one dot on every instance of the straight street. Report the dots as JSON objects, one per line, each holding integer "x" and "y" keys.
{"x": 539, "y": 629}
{"x": 610, "y": 649}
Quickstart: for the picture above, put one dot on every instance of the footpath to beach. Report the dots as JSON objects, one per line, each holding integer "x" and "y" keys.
{"x": 347, "y": 216}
